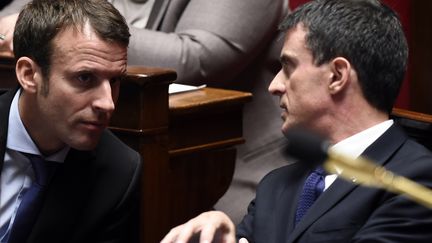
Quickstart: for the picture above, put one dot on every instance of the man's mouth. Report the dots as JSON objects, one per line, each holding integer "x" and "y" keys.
{"x": 94, "y": 125}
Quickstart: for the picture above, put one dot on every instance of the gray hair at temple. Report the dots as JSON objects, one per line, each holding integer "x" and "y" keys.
{"x": 41, "y": 20}
{"x": 365, "y": 32}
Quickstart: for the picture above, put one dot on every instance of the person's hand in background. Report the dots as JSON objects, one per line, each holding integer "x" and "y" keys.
{"x": 213, "y": 226}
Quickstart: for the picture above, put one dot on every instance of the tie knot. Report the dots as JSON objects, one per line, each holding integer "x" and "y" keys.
{"x": 320, "y": 171}
{"x": 43, "y": 169}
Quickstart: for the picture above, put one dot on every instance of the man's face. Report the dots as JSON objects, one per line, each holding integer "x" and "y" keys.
{"x": 83, "y": 87}
{"x": 301, "y": 85}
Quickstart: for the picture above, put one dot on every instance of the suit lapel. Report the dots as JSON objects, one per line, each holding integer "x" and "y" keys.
{"x": 289, "y": 207}
{"x": 384, "y": 147}
{"x": 156, "y": 15}
{"x": 326, "y": 201}
{"x": 65, "y": 200}
{"x": 380, "y": 152}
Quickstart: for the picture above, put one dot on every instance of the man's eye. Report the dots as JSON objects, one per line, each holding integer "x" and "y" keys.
{"x": 116, "y": 80}
{"x": 287, "y": 69}
{"x": 85, "y": 79}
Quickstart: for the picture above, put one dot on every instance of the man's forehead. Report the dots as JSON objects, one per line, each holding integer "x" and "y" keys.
{"x": 84, "y": 30}
{"x": 295, "y": 38}
{"x": 72, "y": 37}
{"x": 74, "y": 47}
{"x": 298, "y": 31}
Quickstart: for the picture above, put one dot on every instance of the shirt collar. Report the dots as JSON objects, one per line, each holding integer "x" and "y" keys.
{"x": 18, "y": 138}
{"x": 355, "y": 145}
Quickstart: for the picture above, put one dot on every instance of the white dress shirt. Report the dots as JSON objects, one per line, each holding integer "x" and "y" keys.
{"x": 17, "y": 173}
{"x": 355, "y": 145}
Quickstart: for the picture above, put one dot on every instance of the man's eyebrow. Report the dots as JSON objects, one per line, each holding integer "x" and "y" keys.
{"x": 286, "y": 59}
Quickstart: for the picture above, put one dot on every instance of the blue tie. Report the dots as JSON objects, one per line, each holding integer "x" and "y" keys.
{"x": 313, "y": 187}
{"x": 32, "y": 200}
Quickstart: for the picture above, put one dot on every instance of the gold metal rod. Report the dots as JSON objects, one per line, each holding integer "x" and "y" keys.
{"x": 367, "y": 173}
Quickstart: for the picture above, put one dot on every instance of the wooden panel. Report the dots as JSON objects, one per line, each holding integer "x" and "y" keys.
{"x": 214, "y": 113}
{"x": 421, "y": 56}
{"x": 189, "y": 155}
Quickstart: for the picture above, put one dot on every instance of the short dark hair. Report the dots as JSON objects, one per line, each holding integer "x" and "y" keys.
{"x": 365, "y": 32}
{"x": 41, "y": 20}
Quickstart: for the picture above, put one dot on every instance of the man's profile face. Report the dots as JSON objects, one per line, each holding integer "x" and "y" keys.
{"x": 83, "y": 87}
{"x": 301, "y": 85}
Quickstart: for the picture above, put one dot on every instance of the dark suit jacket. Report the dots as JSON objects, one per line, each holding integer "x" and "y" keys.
{"x": 92, "y": 197}
{"x": 345, "y": 212}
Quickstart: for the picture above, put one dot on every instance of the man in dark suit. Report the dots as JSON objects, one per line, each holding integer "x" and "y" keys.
{"x": 71, "y": 56}
{"x": 343, "y": 62}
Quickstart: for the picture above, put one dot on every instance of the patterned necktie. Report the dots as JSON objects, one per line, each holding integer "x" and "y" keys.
{"x": 32, "y": 199}
{"x": 313, "y": 187}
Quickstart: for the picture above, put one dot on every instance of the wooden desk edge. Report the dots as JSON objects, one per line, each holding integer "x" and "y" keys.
{"x": 412, "y": 115}
{"x": 7, "y": 60}
{"x": 143, "y": 76}
{"x": 205, "y": 98}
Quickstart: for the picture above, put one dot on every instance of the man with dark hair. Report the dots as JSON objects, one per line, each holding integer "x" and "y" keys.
{"x": 64, "y": 176}
{"x": 343, "y": 62}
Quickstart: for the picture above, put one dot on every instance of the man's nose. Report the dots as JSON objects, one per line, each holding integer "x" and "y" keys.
{"x": 104, "y": 101}
{"x": 276, "y": 86}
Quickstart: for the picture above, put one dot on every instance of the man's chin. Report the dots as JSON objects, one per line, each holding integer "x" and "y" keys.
{"x": 85, "y": 144}
{"x": 284, "y": 130}
{"x": 286, "y": 127}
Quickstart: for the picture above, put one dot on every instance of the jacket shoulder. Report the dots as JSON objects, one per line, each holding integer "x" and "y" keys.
{"x": 111, "y": 151}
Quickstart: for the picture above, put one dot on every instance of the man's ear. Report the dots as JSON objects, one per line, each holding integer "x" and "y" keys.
{"x": 28, "y": 74}
{"x": 341, "y": 69}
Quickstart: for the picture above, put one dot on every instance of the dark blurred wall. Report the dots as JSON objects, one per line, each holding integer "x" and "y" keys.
{"x": 421, "y": 56}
